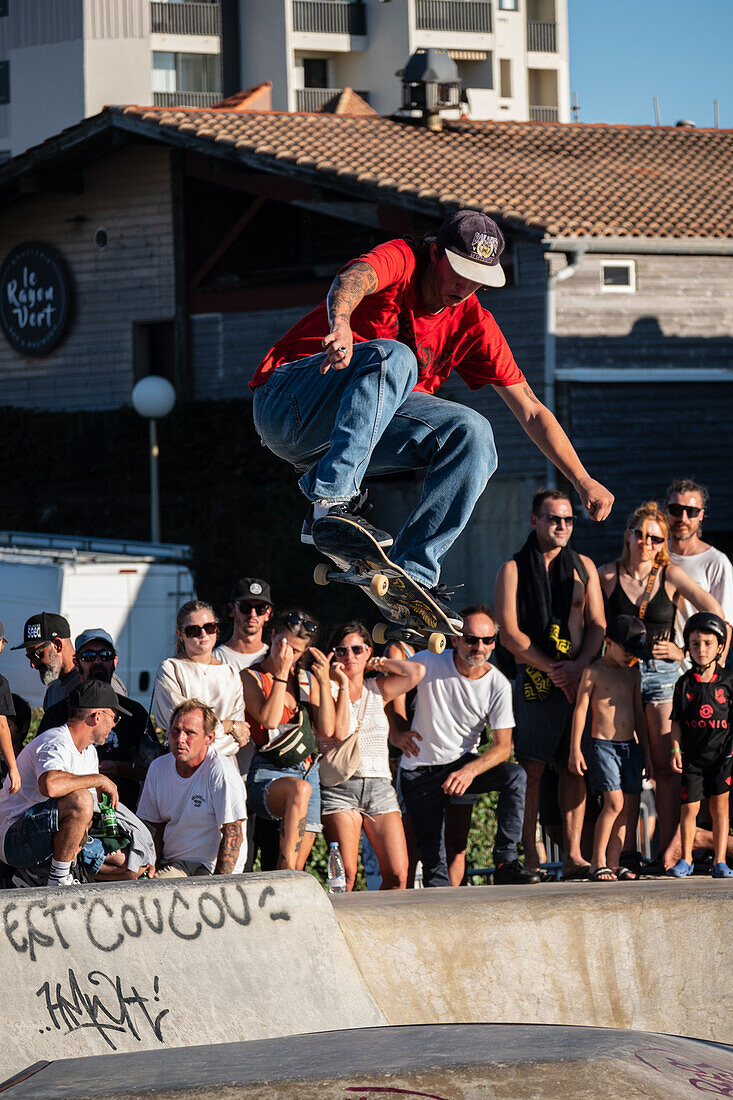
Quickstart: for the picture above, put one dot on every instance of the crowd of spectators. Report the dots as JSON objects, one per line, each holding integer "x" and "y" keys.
{"x": 256, "y": 743}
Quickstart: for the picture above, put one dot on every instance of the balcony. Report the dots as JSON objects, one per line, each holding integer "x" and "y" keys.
{"x": 186, "y": 99}
{"x": 312, "y": 99}
{"x": 541, "y": 36}
{"x": 329, "y": 16}
{"x": 464, "y": 16}
{"x": 185, "y": 18}
{"x": 543, "y": 114}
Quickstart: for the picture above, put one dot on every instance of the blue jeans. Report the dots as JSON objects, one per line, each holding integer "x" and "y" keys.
{"x": 336, "y": 426}
{"x": 425, "y": 799}
{"x": 29, "y": 840}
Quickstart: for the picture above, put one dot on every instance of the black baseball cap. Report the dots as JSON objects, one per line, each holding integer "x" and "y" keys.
{"x": 43, "y": 628}
{"x": 251, "y": 588}
{"x": 473, "y": 244}
{"x": 96, "y": 693}
{"x": 628, "y": 632}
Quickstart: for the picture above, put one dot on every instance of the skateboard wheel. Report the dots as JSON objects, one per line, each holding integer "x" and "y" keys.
{"x": 436, "y": 643}
{"x": 379, "y": 585}
{"x": 380, "y": 633}
{"x": 321, "y": 573}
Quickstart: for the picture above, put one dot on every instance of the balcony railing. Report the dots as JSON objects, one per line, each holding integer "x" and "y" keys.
{"x": 329, "y": 16}
{"x": 541, "y": 36}
{"x": 185, "y": 18}
{"x": 543, "y": 114}
{"x": 312, "y": 99}
{"x": 185, "y": 99}
{"x": 471, "y": 16}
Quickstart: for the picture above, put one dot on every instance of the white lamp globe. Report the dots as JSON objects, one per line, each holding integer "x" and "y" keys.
{"x": 153, "y": 397}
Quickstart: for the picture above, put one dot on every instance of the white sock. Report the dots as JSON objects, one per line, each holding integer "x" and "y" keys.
{"x": 58, "y": 870}
{"x": 322, "y": 507}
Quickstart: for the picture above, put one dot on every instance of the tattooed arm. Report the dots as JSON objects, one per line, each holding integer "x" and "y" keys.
{"x": 347, "y": 290}
{"x": 231, "y": 842}
{"x": 545, "y": 432}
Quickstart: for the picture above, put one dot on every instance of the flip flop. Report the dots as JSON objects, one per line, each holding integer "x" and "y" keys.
{"x": 578, "y": 874}
{"x": 625, "y": 874}
{"x": 721, "y": 870}
{"x": 681, "y": 869}
{"x": 602, "y": 874}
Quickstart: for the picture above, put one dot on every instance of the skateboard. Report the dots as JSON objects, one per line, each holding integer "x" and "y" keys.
{"x": 413, "y": 614}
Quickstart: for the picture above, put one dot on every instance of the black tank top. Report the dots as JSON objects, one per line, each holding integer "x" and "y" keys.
{"x": 660, "y": 612}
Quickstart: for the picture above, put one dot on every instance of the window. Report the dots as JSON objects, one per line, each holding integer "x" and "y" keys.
{"x": 618, "y": 276}
{"x": 315, "y": 72}
{"x": 4, "y": 82}
{"x": 185, "y": 72}
{"x": 508, "y": 5}
{"x": 153, "y": 350}
{"x": 505, "y": 78}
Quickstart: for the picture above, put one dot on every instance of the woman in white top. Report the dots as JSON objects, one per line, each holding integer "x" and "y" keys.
{"x": 367, "y": 800}
{"x": 194, "y": 673}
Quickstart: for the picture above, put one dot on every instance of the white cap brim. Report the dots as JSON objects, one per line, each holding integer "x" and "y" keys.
{"x": 486, "y": 274}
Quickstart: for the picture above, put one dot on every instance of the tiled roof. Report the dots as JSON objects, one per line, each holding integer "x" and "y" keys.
{"x": 256, "y": 98}
{"x": 568, "y": 180}
{"x": 347, "y": 102}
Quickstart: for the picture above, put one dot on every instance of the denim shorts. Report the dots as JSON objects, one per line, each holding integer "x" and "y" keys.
{"x": 658, "y": 678}
{"x": 261, "y": 775}
{"x": 29, "y": 840}
{"x": 615, "y": 766}
{"x": 370, "y": 797}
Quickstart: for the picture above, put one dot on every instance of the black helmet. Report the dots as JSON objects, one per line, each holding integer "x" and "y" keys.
{"x": 708, "y": 623}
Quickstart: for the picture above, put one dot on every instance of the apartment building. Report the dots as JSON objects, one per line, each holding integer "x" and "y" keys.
{"x": 512, "y": 55}
{"x": 64, "y": 60}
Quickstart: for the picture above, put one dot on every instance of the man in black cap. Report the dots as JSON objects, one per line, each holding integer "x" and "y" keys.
{"x": 350, "y": 389}
{"x": 45, "y": 823}
{"x": 47, "y": 644}
{"x": 249, "y": 608}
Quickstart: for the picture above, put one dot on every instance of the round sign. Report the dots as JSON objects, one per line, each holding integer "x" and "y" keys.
{"x": 35, "y": 298}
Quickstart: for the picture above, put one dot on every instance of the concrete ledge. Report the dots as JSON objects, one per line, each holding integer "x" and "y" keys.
{"x": 444, "y": 1062}
{"x": 654, "y": 956}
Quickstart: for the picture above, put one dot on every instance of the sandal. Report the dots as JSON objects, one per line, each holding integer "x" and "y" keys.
{"x": 602, "y": 874}
{"x": 681, "y": 869}
{"x": 625, "y": 874}
{"x": 721, "y": 870}
{"x": 576, "y": 874}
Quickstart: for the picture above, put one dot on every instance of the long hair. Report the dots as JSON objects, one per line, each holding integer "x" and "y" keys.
{"x": 183, "y": 612}
{"x": 640, "y": 518}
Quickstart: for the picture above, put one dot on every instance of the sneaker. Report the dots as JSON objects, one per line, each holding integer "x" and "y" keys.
{"x": 721, "y": 870}
{"x": 67, "y": 880}
{"x": 441, "y": 594}
{"x": 512, "y": 873}
{"x": 355, "y": 509}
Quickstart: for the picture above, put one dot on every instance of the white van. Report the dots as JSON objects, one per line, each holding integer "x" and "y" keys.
{"x": 130, "y": 589}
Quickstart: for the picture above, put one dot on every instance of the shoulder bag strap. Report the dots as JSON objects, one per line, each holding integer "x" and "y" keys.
{"x": 641, "y": 612}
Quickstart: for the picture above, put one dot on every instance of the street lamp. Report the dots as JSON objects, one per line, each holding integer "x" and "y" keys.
{"x": 153, "y": 397}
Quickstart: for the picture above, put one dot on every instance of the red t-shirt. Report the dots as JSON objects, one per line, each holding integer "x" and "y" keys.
{"x": 464, "y": 337}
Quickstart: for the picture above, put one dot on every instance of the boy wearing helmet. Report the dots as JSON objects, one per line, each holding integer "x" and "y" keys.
{"x": 702, "y": 739}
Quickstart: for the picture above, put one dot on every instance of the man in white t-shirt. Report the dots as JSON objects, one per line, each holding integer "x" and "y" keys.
{"x": 461, "y": 694}
{"x": 249, "y": 608}
{"x": 48, "y": 818}
{"x": 193, "y": 800}
{"x": 686, "y": 501}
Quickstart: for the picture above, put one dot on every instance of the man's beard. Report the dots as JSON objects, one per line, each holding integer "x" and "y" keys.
{"x": 99, "y": 672}
{"x": 50, "y": 675}
{"x": 476, "y": 659}
{"x": 683, "y": 535}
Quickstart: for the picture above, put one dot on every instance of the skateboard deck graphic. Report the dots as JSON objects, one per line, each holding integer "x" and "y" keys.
{"x": 412, "y": 613}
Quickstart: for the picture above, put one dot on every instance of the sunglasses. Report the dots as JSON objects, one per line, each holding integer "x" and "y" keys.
{"x": 678, "y": 510}
{"x": 656, "y": 540}
{"x": 96, "y": 655}
{"x": 194, "y": 631}
{"x": 344, "y": 650}
{"x": 474, "y": 639}
{"x": 295, "y": 620}
{"x": 35, "y": 654}
{"x": 258, "y": 608}
{"x": 116, "y": 718}
{"x": 557, "y": 520}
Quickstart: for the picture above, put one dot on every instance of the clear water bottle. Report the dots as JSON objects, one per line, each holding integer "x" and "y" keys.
{"x": 336, "y": 872}
{"x": 418, "y": 876}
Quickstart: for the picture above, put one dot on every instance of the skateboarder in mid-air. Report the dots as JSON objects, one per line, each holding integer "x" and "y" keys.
{"x": 351, "y": 388}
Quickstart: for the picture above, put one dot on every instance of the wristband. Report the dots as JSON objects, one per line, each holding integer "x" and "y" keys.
{"x": 676, "y": 751}
{"x": 279, "y": 680}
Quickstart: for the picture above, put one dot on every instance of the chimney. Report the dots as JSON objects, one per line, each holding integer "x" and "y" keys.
{"x": 430, "y": 84}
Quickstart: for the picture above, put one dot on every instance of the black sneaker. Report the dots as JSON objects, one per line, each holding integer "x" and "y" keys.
{"x": 441, "y": 594}
{"x": 512, "y": 873}
{"x": 355, "y": 509}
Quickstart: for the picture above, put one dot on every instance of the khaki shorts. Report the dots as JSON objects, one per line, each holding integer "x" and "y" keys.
{"x": 182, "y": 868}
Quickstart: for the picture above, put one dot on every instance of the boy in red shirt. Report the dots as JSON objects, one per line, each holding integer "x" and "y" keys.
{"x": 351, "y": 387}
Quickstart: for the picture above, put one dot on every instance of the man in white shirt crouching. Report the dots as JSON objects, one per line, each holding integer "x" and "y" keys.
{"x": 460, "y": 694}
{"x": 193, "y": 800}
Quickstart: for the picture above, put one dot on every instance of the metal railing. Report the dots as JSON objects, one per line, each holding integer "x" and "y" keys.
{"x": 185, "y": 18}
{"x": 543, "y": 114}
{"x": 329, "y": 16}
{"x": 470, "y": 16}
{"x": 541, "y": 36}
{"x": 312, "y": 99}
{"x": 185, "y": 99}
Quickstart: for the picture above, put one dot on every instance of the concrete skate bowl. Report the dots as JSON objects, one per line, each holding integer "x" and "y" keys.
{"x": 94, "y": 973}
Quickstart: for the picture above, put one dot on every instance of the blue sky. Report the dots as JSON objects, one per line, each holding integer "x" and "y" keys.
{"x": 624, "y": 52}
